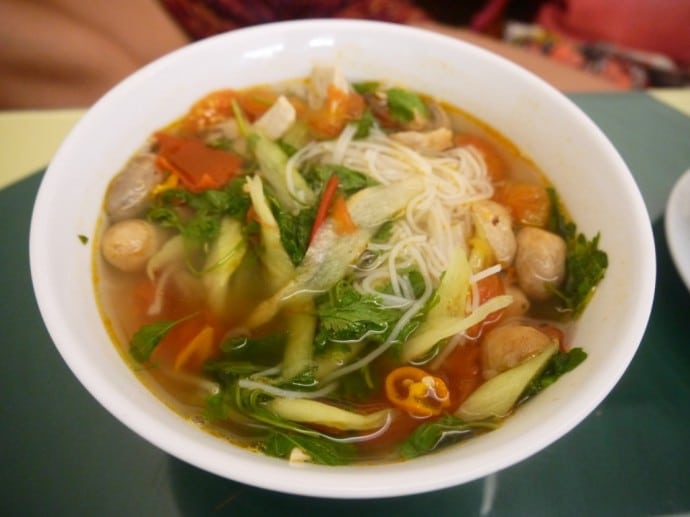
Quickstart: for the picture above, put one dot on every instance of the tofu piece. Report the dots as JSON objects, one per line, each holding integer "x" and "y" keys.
{"x": 277, "y": 120}
{"x": 322, "y": 76}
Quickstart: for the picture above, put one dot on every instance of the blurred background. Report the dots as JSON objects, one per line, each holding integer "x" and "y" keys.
{"x": 67, "y": 53}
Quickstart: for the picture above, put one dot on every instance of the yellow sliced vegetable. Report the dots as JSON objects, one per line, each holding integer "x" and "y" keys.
{"x": 314, "y": 412}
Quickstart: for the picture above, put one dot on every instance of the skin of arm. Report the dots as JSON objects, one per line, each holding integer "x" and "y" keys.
{"x": 67, "y": 53}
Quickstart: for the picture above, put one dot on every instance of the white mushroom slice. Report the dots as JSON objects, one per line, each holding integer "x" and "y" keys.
{"x": 276, "y": 121}
{"x": 434, "y": 141}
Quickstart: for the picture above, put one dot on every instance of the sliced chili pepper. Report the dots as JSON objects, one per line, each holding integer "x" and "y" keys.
{"x": 327, "y": 197}
{"x": 419, "y": 393}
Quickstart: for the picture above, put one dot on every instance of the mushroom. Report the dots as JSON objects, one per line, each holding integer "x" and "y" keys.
{"x": 539, "y": 262}
{"x": 129, "y": 244}
{"x": 128, "y": 195}
{"x": 520, "y": 304}
{"x": 507, "y": 346}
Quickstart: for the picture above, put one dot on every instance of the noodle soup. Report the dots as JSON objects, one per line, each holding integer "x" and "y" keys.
{"x": 337, "y": 273}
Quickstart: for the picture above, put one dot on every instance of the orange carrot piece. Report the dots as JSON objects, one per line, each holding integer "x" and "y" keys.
{"x": 197, "y": 351}
{"x": 208, "y": 111}
{"x": 495, "y": 166}
{"x": 341, "y": 215}
{"x": 339, "y": 108}
{"x": 529, "y": 203}
{"x": 198, "y": 166}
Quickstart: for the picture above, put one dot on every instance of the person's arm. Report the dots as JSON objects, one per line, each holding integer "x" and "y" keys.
{"x": 57, "y": 53}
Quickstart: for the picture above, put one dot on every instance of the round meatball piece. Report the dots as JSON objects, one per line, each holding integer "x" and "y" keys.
{"x": 129, "y": 195}
{"x": 129, "y": 244}
{"x": 539, "y": 262}
{"x": 506, "y": 347}
{"x": 520, "y": 304}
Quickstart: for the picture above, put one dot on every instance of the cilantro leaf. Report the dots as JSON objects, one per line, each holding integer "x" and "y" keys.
{"x": 405, "y": 105}
{"x": 560, "y": 364}
{"x": 294, "y": 230}
{"x": 366, "y": 87}
{"x": 446, "y": 430}
{"x": 349, "y": 180}
{"x": 207, "y": 207}
{"x": 320, "y": 449}
{"x": 280, "y": 436}
{"x": 384, "y": 233}
{"x": 364, "y": 124}
{"x": 147, "y": 338}
{"x": 585, "y": 263}
{"x": 241, "y": 356}
{"x": 347, "y": 315}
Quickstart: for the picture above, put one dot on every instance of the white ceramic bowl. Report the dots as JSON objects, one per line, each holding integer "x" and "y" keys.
{"x": 592, "y": 178}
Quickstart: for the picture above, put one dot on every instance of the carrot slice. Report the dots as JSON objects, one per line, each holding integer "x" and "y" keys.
{"x": 195, "y": 353}
{"x": 198, "y": 166}
{"x": 341, "y": 215}
{"x": 495, "y": 166}
{"x": 529, "y": 203}
{"x": 340, "y": 108}
{"x": 208, "y": 111}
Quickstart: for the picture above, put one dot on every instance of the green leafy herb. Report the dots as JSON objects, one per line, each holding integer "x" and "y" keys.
{"x": 405, "y": 105}
{"x": 280, "y": 436}
{"x": 287, "y": 148}
{"x": 223, "y": 143}
{"x": 241, "y": 356}
{"x": 349, "y": 180}
{"x": 147, "y": 338}
{"x": 446, "y": 430}
{"x": 365, "y": 87}
{"x": 384, "y": 233}
{"x": 83, "y": 238}
{"x": 560, "y": 364}
{"x": 347, "y": 315}
{"x": 319, "y": 449}
{"x": 207, "y": 207}
{"x": 357, "y": 385}
{"x": 585, "y": 264}
{"x": 364, "y": 124}
{"x": 294, "y": 230}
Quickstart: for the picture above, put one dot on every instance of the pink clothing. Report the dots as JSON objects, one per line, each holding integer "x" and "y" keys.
{"x": 659, "y": 26}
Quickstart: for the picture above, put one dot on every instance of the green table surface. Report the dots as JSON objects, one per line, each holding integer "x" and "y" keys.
{"x": 61, "y": 453}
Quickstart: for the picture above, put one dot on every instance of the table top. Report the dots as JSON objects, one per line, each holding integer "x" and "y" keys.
{"x": 63, "y": 453}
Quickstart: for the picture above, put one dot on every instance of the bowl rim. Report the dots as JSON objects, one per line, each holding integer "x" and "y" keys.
{"x": 345, "y": 482}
